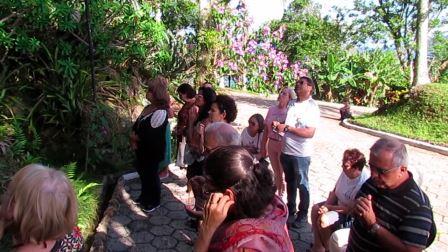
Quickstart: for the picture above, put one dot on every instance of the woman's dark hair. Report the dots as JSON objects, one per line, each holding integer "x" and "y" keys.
{"x": 187, "y": 90}
{"x": 209, "y": 97}
{"x": 232, "y": 167}
{"x": 260, "y": 120}
{"x": 159, "y": 89}
{"x": 355, "y": 158}
{"x": 227, "y": 104}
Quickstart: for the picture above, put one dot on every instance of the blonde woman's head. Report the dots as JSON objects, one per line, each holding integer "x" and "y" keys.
{"x": 287, "y": 94}
{"x": 158, "y": 92}
{"x": 39, "y": 205}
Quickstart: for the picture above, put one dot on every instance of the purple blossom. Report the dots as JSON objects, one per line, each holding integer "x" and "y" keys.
{"x": 250, "y": 50}
{"x": 277, "y": 83}
{"x": 303, "y": 72}
{"x": 266, "y": 46}
{"x": 281, "y": 31}
{"x": 251, "y": 47}
{"x": 296, "y": 68}
{"x": 252, "y": 43}
{"x": 237, "y": 47}
{"x": 266, "y": 30}
{"x": 220, "y": 63}
{"x": 272, "y": 53}
{"x": 233, "y": 66}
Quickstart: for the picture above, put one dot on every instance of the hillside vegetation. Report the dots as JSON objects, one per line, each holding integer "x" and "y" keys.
{"x": 423, "y": 115}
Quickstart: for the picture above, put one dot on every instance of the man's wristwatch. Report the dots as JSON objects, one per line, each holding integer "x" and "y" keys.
{"x": 286, "y": 129}
{"x": 374, "y": 229}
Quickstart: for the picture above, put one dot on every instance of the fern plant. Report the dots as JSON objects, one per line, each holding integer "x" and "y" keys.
{"x": 18, "y": 148}
{"x": 88, "y": 199}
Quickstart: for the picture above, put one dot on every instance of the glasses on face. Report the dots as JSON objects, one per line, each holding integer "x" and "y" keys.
{"x": 380, "y": 170}
{"x": 300, "y": 83}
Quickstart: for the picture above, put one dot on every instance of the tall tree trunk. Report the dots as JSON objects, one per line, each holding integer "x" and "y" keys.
{"x": 422, "y": 75}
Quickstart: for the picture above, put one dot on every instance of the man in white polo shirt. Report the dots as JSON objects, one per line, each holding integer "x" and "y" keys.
{"x": 299, "y": 128}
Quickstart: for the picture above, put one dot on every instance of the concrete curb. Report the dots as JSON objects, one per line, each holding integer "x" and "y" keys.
{"x": 100, "y": 236}
{"x": 419, "y": 144}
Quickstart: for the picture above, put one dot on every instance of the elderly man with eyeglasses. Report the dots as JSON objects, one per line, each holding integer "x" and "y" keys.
{"x": 392, "y": 213}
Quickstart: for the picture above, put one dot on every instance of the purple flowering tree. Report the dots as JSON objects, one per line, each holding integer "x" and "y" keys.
{"x": 252, "y": 59}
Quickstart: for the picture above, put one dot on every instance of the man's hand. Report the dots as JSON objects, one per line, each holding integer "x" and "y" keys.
{"x": 364, "y": 210}
{"x": 278, "y": 126}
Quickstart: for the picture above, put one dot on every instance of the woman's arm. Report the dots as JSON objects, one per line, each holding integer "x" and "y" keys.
{"x": 331, "y": 204}
{"x": 264, "y": 140}
{"x": 201, "y": 133}
{"x": 332, "y": 199}
{"x": 192, "y": 116}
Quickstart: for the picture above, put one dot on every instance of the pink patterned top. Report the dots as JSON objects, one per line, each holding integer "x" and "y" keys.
{"x": 275, "y": 114}
{"x": 267, "y": 233}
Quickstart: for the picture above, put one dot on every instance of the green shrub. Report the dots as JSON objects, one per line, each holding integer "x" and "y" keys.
{"x": 423, "y": 115}
{"x": 365, "y": 78}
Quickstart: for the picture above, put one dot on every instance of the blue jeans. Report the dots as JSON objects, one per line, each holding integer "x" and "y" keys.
{"x": 296, "y": 177}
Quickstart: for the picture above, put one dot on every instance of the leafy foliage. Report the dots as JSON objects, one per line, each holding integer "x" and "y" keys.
{"x": 45, "y": 70}
{"x": 390, "y": 20}
{"x": 364, "y": 78}
{"x": 88, "y": 199}
{"x": 304, "y": 38}
{"x": 19, "y": 146}
{"x": 439, "y": 54}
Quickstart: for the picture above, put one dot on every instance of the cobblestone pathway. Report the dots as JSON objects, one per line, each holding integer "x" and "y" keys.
{"x": 126, "y": 228}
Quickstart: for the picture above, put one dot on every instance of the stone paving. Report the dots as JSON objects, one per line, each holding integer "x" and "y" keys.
{"x": 126, "y": 228}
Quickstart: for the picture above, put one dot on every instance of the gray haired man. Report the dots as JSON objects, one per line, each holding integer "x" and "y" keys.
{"x": 392, "y": 212}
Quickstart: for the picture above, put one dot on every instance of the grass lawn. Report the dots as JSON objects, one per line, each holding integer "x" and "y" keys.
{"x": 423, "y": 116}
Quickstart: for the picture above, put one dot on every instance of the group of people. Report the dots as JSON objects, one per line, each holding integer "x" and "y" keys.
{"x": 238, "y": 193}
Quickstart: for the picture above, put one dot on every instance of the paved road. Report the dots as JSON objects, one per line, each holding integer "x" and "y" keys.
{"x": 168, "y": 230}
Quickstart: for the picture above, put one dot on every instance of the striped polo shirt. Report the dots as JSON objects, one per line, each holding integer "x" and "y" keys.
{"x": 405, "y": 211}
